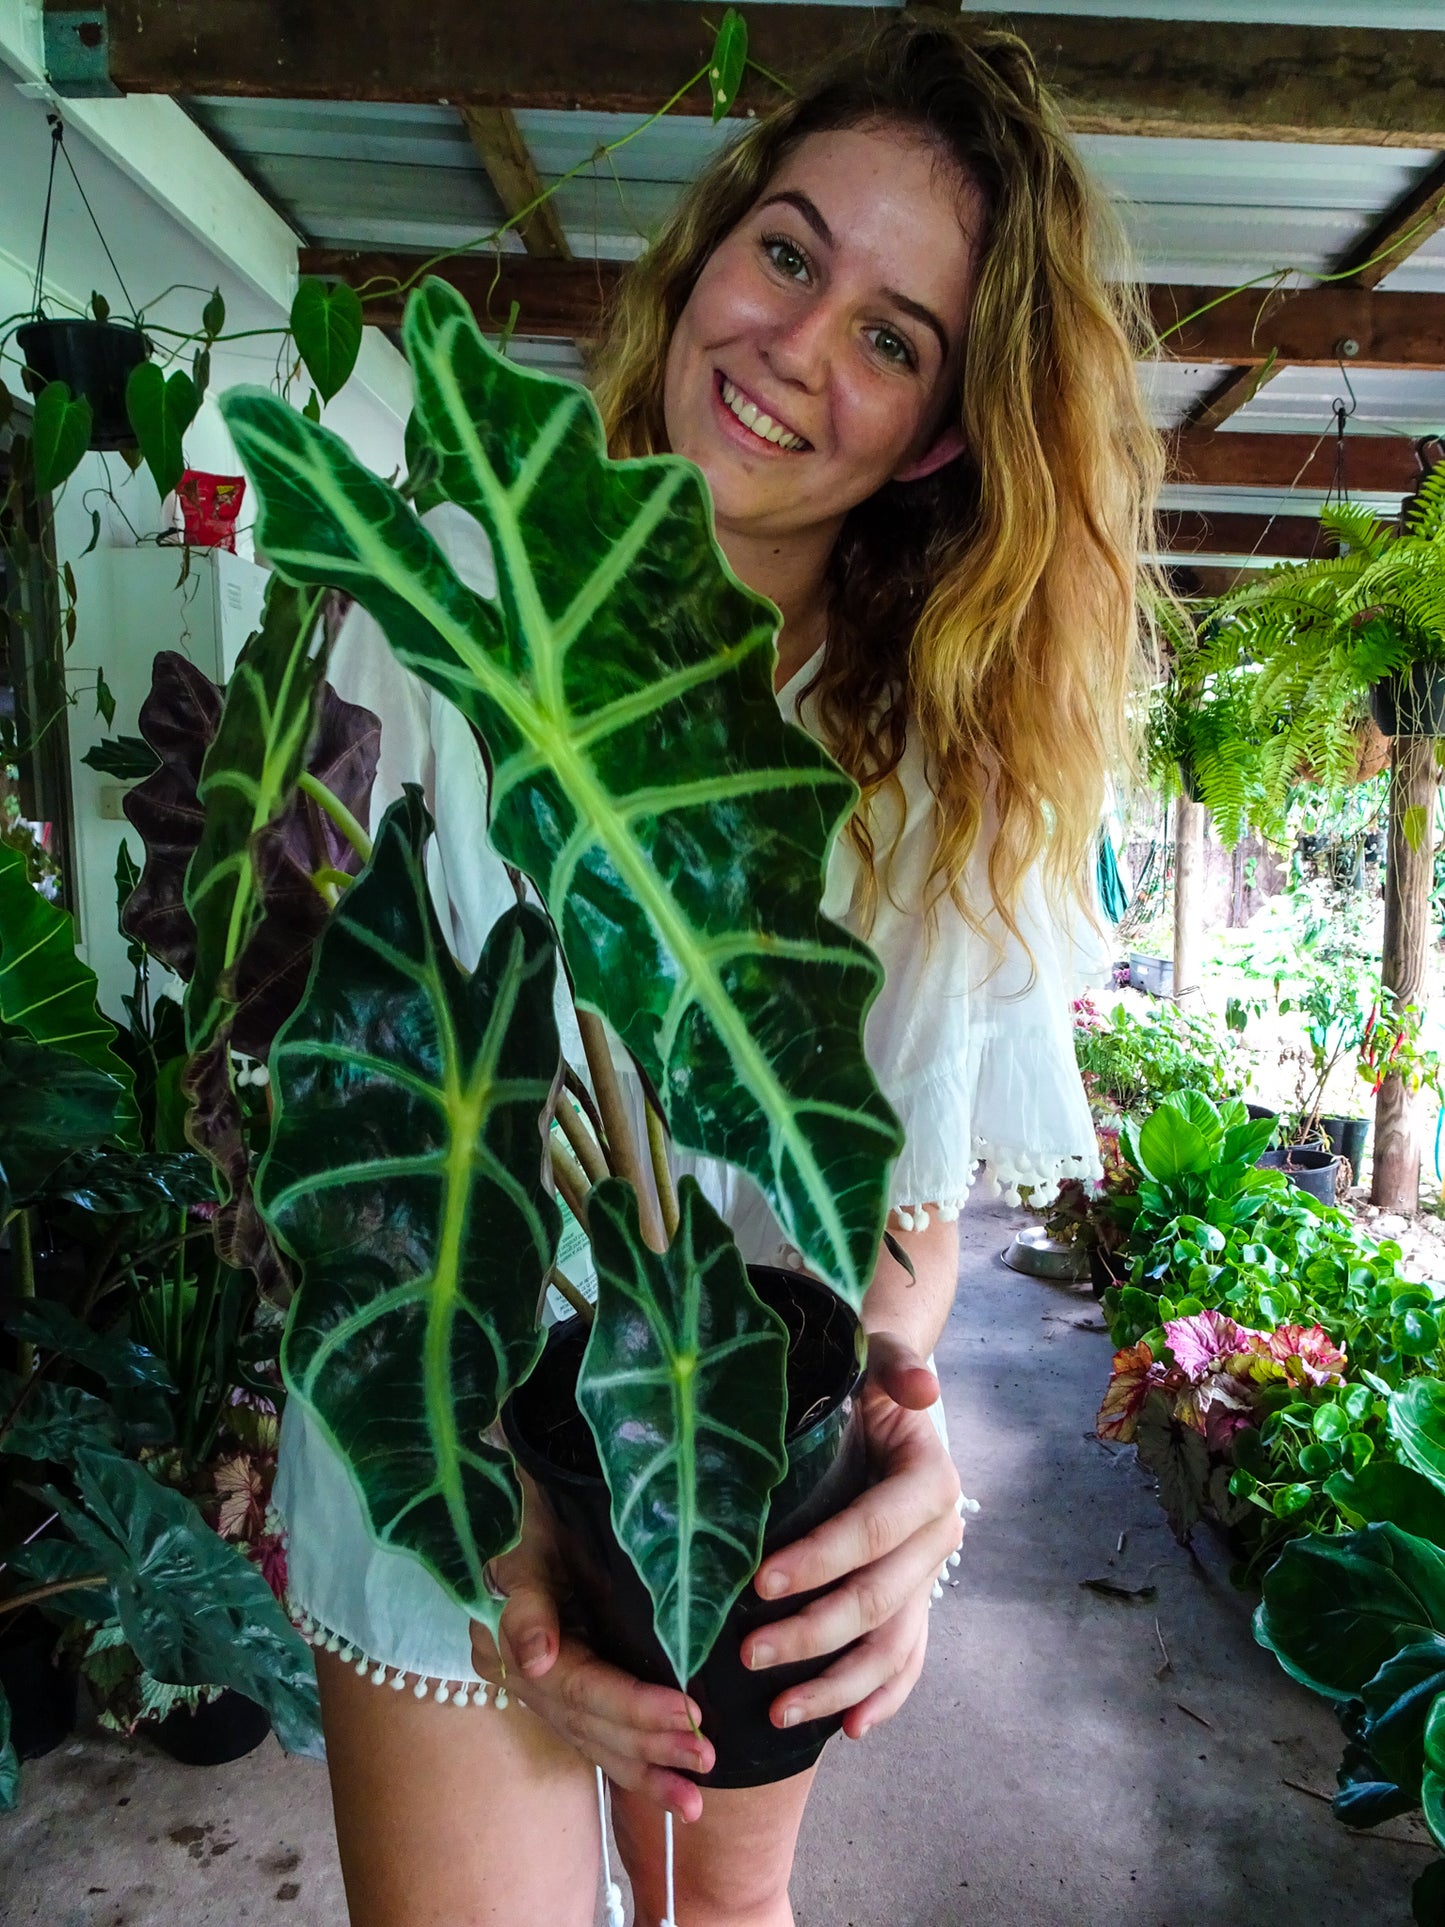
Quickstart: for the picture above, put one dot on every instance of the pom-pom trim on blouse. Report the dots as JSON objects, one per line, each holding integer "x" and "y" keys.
{"x": 455, "y": 1692}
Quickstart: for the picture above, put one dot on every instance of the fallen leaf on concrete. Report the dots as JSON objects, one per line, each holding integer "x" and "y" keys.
{"x": 1119, "y": 1589}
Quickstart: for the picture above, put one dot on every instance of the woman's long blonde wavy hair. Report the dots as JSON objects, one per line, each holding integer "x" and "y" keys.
{"x": 993, "y": 607}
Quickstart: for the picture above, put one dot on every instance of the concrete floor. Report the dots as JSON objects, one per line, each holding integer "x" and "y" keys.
{"x": 1045, "y": 1773}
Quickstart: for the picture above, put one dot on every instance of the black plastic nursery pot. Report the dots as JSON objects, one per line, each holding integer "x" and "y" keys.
{"x": 42, "y": 1695}
{"x": 1107, "y": 1268}
{"x": 1312, "y": 1170}
{"x": 220, "y": 1730}
{"x": 94, "y": 359}
{"x": 1412, "y": 703}
{"x": 1346, "y": 1139}
{"x": 827, "y": 1470}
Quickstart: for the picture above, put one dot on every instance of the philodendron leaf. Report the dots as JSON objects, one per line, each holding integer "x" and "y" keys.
{"x": 121, "y": 1183}
{"x": 195, "y": 1610}
{"x": 1397, "y": 1703}
{"x": 52, "y": 1422}
{"x": 326, "y": 320}
{"x": 51, "y": 1104}
{"x": 160, "y": 412}
{"x": 729, "y": 62}
{"x": 46, "y": 991}
{"x": 1416, "y": 1422}
{"x": 405, "y": 1175}
{"x": 684, "y": 1386}
{"x": 119, "y": 1361}
{"x": 1336, "y": 1610}
{"x": 59, "y": 434}
{"x": 675, "y": 826}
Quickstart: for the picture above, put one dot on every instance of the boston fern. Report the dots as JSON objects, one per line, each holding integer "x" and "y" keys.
{"x": 674, "y": 832}
{"x": 1318, "y": 635}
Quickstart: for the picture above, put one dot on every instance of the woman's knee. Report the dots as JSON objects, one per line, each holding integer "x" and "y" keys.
{"x": 731, "y": 1868}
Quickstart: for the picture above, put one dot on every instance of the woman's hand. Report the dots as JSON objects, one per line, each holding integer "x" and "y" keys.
{"x": 639, "y": 1735}
{"x": 886, "y": 1549}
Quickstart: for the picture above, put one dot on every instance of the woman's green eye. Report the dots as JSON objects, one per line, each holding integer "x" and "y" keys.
{"x": 892, "y": 347}
{"x": 788, "y": 259}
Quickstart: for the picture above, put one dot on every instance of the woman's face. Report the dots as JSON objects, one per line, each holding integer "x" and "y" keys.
{"x": 831, "y": 319}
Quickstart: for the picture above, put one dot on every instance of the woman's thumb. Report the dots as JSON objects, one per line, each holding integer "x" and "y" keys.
{"x": 900, "y": 1371}
{"x": 531, "y": 1630}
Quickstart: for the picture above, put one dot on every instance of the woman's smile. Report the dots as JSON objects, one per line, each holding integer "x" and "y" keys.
{"x": 763, "y": 432}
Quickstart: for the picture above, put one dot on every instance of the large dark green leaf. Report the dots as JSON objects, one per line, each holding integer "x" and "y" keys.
{"x": 53, "y": 1421}
{"x": 51, "y": 1105}
{"x": 1386, "y": 1491}
{"x": 326, "y": 321}
{"x": 1397, "y": 1704}
{"x": 119, "y": 1361}
{"x": 195, "y": 1610}
{"x": 46, "y": 991}
{"x": 684, "y": 1385}
{"x": 406, "y": 1176}
{"x": 1417, "y": 1425}
{"x": 117, "y": 1183}
{"x": 59, "y": 434}
{"x": 676, "y": 828}
{"x": 1336, "y": 1610}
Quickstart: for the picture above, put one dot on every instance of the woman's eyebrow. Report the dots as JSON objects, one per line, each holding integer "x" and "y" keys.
{"x": 791, "y": 197}
{"x": 920, "y": 313}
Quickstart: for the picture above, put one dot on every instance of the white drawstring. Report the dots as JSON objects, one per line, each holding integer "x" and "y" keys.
{"x": 670, "y": 1921}
{"x": 614, "y": 1892}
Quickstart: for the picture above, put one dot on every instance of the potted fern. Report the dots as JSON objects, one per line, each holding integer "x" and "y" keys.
{"x": 668, "y": 834}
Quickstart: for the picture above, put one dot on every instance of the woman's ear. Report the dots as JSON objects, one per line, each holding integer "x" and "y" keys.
{"x": 947, "y": 448}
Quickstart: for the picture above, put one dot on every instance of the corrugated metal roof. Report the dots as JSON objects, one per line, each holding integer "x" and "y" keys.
{"x": 1218, "y": 213}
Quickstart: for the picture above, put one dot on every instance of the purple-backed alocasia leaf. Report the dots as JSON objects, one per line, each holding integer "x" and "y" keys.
{"x": 178, "y": 719}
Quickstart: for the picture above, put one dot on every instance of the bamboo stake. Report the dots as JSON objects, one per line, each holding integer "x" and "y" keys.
{"x": 589, "y": 1156}
{"x": 584, "y": 1307}
{"x": 662, "y": 1172}
{"x": 626, "y": 1158}
{"x": 571, "y": 1182}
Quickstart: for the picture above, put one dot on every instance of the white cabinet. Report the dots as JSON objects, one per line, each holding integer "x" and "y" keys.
{"x": 130, "y": 605}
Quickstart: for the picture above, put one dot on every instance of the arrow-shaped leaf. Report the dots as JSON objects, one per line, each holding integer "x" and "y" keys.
{"x": 405, "y": 1175}
{"x": 59, "y": 434}
{"x": 51, "y": 1104}
{"x": 46, "y": 991}
{"x": 676, "y": 828}
{"x": 684, "y": 1384}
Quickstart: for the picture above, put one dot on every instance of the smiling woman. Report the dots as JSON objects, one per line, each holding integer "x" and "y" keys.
{"x": 880, "y": 326}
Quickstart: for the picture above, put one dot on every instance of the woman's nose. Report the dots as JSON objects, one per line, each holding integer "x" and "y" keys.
{"x": 800, "y": 348}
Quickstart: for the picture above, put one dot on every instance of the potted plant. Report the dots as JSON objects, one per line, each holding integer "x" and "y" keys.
{"x": 94, "y": 357}
{"x": 674, "y": 831}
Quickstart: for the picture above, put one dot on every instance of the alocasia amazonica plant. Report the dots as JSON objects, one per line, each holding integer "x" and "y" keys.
{"x": 676, "y": 832}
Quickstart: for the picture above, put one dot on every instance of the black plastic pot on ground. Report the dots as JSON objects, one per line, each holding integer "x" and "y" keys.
{"x": 1412, "y": 703}
{"x": 41, "y": 1694}
{"x": 1346, "y": 1138}
{"x": 1107, "y": 1268}
{"x": 1313, "y": 1171}
{"x": 220, "y": 1730}
{"x": 94, "y": 359}
{"x": 827, "y": 1470}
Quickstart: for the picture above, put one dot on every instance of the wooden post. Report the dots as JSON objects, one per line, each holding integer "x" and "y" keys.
{"x": 1396, "y": 1178}
{"x": 1188, "y": 894}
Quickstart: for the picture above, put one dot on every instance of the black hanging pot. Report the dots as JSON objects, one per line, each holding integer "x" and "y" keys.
{"x": 218, "y": 1731}
{"x": 1411, "y": 703}
{"x": 94, "y": 359}
{"x": 41, "y": 1694}
{"x": 1310, "y": 1169}
{"x": 610, "y": 1608}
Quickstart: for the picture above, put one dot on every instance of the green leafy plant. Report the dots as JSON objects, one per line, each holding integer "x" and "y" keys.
{"x": 675, "y": 830}
{"x": 1130, "y": 1061}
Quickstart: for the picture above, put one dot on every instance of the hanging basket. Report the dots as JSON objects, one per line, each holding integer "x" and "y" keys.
{"x": 1411, "y": 703}
{"x": 93, "y": 359}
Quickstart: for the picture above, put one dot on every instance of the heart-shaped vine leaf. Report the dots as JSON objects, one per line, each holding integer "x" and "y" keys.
{"x": 405, "y": 1175}
{"x": 59, "y": 434}
{"x": 160, "y": 410}
{"x": 194, "y": 1608}
{"x": 326, "y": 322}
{"x": 675, "y": 826}
{"x": 684, "y": 1386}
{"x": 46, "y": 991}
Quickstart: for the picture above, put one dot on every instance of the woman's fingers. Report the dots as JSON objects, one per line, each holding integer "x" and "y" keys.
{"x": 879, "y": 1659}
{"x": 919, "y": 1492}
{"x": 901, "y": 1372}
{"x": 885, "y": 1700}
{"x": 531, "y": 1634}
{"x": 858, "y": 1605}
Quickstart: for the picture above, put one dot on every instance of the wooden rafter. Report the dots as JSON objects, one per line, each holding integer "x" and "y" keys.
{"x": 503, "y": 153}
{"x": 1386, "y": 242}
{"x": 555, "y": 298}
{"x": 1373, "y": 464}
{"x": 1189, "y": 532}
{"x": 1177, "y": 77}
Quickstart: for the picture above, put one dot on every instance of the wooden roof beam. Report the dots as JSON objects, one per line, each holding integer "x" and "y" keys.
{"x": 1185, "y": 533}
{"x": 503, "y": 153}
{"x": 1373, "y": 464}
{"x": 1122, "y": 76}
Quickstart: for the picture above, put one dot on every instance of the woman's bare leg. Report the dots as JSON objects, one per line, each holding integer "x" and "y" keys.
{"x": 456, "y": 1816}
{"x": 732, "y": 1867}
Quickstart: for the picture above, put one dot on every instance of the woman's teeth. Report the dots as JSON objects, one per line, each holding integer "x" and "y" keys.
{"x": 763, "y": 426}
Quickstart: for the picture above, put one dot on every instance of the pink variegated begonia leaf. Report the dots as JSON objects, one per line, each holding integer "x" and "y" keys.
{"x": 1204, "y": 1341}
{"x": 1311, "y": 1348}
{"x": 1133, "y": 1377}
